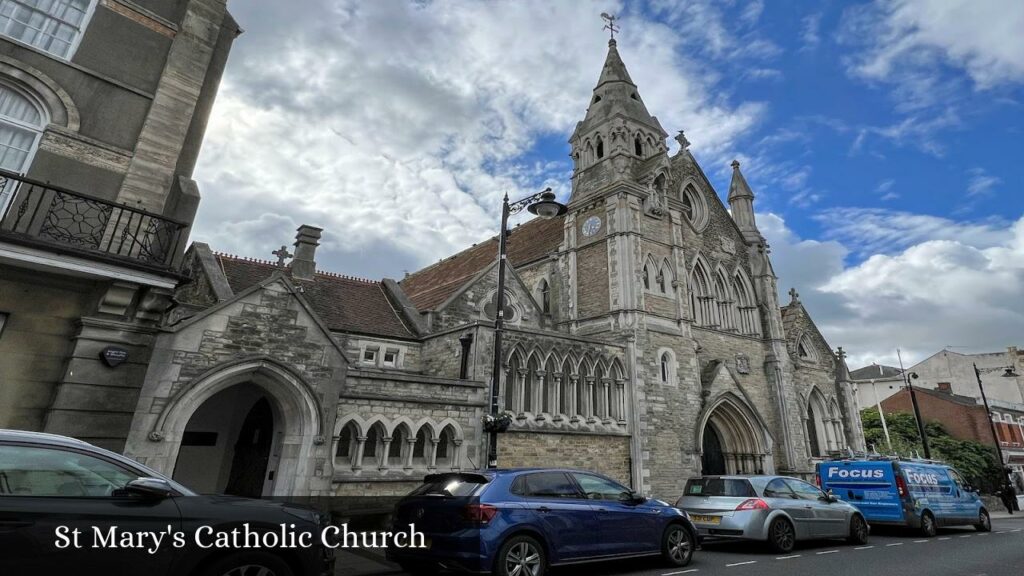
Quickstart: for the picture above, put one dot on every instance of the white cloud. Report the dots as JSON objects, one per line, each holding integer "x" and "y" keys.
{"x": 398, "y": 126}
{"x": 915, "y": 36}
{"x": 877, "y": 230}
{"x": 981, "y": 182}
{"x": 810, "y": 34}
{"x": 942, "y": 289}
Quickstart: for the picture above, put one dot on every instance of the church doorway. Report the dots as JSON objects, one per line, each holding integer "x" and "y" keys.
{"x": 733, "y": 441}
{"x": 712, "y": 460}
{"x": 230, "y": 444}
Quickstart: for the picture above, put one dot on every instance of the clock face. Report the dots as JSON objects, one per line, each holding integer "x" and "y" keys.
{"x": 591, "y": 226}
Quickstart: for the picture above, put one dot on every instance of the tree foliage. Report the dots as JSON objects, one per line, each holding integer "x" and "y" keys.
{"x": 977, "y": 462}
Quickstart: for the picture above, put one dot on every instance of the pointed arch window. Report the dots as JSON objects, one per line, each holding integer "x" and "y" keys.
{"x": 647, "y": 276}
{"x": 746, "y": 306}
{"x": 665, "y": 360}
{"x": 694, "y": 208}
{"x": 726, "y": 303}
{"x": 806, "y": 350}
{"x": 544, "y": 296}
{"x": 600, "y": 147}
{"x": 347, "y": 443}
{"x": 638, "y": 146}
{"x": 702, "y": 300}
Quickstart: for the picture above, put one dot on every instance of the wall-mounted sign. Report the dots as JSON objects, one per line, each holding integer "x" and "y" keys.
{"x": 113, "y": 356}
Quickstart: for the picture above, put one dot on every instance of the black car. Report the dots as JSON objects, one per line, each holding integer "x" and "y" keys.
{"x": 52, "y": 486}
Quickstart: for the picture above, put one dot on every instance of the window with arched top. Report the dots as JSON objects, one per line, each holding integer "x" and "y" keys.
{"x": 647, "y": 277}
{"x": 665, "y": 362}
{"x": 54, "y": 26}
{"x": 600, "y": 147}
{"x": 638, "y": 146}
{"x": 544, "y": 296}
{"x": 702, "y": 299}
{"x": 345, "y": 452}
{"x": 748, "y": 321}
{"x": 806, "y": 350}
{"x": 22, "y": 120}
{"x": 419, "y": 449}
{"x": 397, "y": 448}
{"x": 373, "y": 446}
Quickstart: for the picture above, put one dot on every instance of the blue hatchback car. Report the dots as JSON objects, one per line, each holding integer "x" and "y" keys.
{"x": 520, "y": 522}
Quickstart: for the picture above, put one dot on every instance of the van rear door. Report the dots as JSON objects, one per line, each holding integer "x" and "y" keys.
{"x": 870, "y": 485}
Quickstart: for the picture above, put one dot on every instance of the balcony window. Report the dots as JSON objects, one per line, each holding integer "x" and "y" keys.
{"x": 54, "y": 26}
{"x": 21, "y": 126}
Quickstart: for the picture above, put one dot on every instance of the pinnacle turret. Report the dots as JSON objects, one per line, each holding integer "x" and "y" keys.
{"x": 741, "y": 204}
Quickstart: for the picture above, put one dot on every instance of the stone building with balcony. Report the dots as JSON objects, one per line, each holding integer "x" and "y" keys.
{"x": 643, "y": 338}
{"x": 103, "y": 106}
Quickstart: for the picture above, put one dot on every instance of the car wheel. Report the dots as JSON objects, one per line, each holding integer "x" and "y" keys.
{"x": 928, "y": 528}
{"x": 984, "y": 522}
{"x": 418, "y": 569}
{"x": 248, "y": 564}
{"x": 781, "y": 535}
{"x": 677, "y": 545}
{"x": 521, "y": 556}
{"x": 858, "y": 530}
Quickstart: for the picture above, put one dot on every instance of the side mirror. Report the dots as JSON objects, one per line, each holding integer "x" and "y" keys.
{"x": 146, "y": 488}
{"x": 632, "y": 497}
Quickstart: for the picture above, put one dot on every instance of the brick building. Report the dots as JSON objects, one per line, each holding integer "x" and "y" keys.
{"x": 644, "y": 339}
{"x": 964, "y": 418}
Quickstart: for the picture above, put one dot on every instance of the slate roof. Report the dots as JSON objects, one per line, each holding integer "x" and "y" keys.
{"x": 433, "y": 285}
{"x": 875, "y": 371}
{"x": 344, "y": 303}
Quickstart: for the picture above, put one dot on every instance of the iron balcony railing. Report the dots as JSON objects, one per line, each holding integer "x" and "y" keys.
{"x": 36, "y": 212}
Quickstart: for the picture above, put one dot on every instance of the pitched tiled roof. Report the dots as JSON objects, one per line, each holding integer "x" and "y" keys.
{"x": 430, "y": 287}
{"x": 874, "y": 371}
{"x": 344, "y": 303}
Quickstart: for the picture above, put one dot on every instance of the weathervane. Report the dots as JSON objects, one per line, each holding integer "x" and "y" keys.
{"x": 610, "y": 24}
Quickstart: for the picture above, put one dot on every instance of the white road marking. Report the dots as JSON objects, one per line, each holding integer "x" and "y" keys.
{"x": 1002, "y": 532}
{"x": 981, "y": 534}
{"x": 1017, "y": 530}
{"x": 741, "y": 563}
{"x": 894, "y": 544}
{"x": 966, "y": 536}
{"x": 788, "y": 557}
{"x": 945, "y": 538}
{"x": 919, "y": 541}
{"x": 680, "y": 572}
{"x": 863, "y": 547}
{"x": 827, "y": 552}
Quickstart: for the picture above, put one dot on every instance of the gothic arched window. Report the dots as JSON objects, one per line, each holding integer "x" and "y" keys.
{"x": 347, "y": 444}
{"x": 600, "y": 147}
{"x": 544, "y": 296}
{"x": 638, "y": 146}
{"x": 665, "y": 362}
{"x": 647, "y": 277}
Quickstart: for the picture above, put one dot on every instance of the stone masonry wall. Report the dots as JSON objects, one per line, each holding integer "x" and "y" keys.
{"x": 607, "y": 455}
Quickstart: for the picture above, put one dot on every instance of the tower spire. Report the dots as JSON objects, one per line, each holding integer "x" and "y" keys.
{"x": 741, "y": 204}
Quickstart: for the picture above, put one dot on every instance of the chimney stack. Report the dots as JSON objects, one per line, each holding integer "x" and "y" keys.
{"x": 306, "y": 241}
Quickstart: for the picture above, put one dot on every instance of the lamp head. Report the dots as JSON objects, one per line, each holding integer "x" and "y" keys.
{"x": 547, "y": 207}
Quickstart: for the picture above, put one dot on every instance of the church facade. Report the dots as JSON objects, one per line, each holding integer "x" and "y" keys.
{"x": 644, "y": 339}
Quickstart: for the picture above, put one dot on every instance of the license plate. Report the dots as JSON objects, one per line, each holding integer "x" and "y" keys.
{"x": 706, "y": 519}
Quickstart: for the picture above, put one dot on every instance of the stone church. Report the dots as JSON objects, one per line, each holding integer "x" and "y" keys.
{"x": 644, "y": 339}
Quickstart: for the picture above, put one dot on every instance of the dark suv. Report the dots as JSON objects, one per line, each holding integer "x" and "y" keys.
{"x": 520, "y": 522}
{"x": 52, "y": 485}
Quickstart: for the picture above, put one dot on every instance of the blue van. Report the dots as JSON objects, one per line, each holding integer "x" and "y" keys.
{"x": 922, "y": 494}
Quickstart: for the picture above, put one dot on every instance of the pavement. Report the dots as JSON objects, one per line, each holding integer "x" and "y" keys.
{"x": 960, "y": 551}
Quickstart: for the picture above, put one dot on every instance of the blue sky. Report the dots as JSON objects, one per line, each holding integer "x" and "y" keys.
{"x": 881, "y": 138}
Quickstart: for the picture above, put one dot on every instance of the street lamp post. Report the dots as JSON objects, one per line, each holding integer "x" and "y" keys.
{"x": 542, "y": 204}
{"x": 988, "y": 413}
{"x": 917, "y": 410}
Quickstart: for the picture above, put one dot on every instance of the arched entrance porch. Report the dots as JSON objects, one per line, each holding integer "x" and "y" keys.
{"x": 733, "y": 440}
{"x": 250, "y": 427}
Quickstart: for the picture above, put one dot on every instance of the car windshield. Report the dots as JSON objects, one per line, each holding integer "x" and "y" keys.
{"x": 735, "y": 487}
{"x": 449, "y": 485}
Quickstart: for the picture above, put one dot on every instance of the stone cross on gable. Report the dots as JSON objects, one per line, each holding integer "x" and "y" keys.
{"x": 841, "y": 353}
{"x": 794, "y": 295}
{"x": 282, "y": 255}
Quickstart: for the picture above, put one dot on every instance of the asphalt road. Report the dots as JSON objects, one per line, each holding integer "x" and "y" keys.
{"x": 955, "y": 551}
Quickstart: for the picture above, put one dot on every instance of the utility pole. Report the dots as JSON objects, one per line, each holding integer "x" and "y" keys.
{"x": 917, "y": 410}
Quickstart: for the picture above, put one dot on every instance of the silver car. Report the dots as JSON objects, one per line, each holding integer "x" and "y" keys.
{"x": 774, "y": 509}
